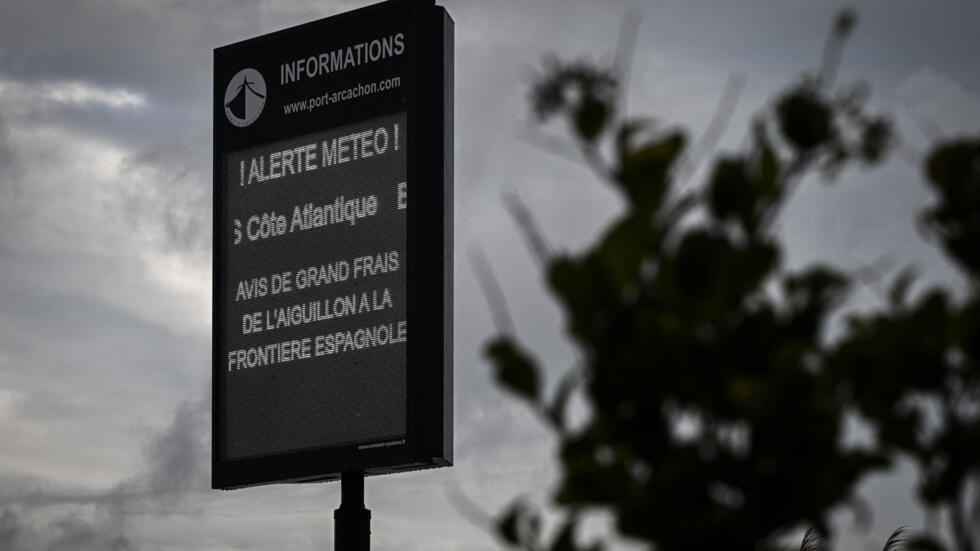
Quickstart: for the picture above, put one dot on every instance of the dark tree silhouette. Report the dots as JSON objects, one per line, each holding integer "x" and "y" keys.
{"x": 684, "y": 309}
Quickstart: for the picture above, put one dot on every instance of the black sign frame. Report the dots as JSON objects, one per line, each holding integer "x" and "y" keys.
{"x": 427, "y": 101}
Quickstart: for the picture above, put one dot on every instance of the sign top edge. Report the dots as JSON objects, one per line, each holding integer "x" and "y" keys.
{"x": 337, "y": 18}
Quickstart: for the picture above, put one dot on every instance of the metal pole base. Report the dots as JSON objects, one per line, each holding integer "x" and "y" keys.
{"x": 352, "y": 521}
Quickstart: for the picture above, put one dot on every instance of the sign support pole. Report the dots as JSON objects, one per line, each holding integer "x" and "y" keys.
{"x": 352, "y": 521}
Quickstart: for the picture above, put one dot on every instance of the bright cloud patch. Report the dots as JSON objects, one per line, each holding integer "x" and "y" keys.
{"x": 940, "y": 103}
{"x": 31, "y": 96}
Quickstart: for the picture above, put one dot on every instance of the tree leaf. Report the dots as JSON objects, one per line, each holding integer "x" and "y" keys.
{"x": 515, "y": 370}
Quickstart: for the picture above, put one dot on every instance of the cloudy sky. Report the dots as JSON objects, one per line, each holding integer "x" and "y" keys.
{"x": 105, "y": 243}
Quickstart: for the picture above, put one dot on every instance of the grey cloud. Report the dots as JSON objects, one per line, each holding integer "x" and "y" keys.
{"x": 161, "y": 48}
{"x": 75, "y": 534}
{"x": 175, "y": 466}
{"x": 65, "y": 533}
{"x": 11, "y": 528}
{"x": 9, "y": 167}
{"x": 167, "y": 189}
{"x": 119, "y": 125}
{"x": 6, "y": 151}
{"x": 177, "y": 458}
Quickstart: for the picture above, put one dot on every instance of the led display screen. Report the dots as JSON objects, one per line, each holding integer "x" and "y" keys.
{"x": 317, "y": 302}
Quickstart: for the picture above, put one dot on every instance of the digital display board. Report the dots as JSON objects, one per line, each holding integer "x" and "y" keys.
{"x": 332, "y": 275}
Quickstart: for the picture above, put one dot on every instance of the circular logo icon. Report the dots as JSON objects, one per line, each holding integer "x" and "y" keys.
{"x": 244, "y": 97}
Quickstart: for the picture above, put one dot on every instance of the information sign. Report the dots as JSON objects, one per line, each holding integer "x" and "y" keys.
{"x": 332, "y": 348}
